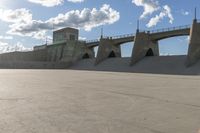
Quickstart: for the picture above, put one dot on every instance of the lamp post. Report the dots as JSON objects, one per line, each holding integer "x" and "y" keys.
{"x": 138, "y": 26}
{"x": 195, "y": 14}
{"x": 102, "y": 32}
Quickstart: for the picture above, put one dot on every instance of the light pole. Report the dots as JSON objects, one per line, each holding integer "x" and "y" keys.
{"x": 102, "y": 32}
{"x": 138, "y": 26}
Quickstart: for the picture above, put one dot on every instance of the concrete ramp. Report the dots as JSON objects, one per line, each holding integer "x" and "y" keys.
{"x": 32, "y": 65}
{"x": 155, "y": 64}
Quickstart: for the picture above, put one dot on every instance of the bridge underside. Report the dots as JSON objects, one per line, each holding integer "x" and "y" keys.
{"x": 169, "y": 34}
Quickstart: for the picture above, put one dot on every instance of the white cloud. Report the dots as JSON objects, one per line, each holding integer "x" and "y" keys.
{"x": 86, "y": 19}
{"x": 6, "y": 37}
{"x": 6, "y": 48}
{"x": 150, "y": 6}
{"x": 166, "y": 12}
{"x": 15, "y": 16}
{"x": 51, "y": 3}
{"x": 47, "y": 3}
{"x": 83, "y": 19}
{"x": 76, "y": 1}
{"x": 185, "y": 13}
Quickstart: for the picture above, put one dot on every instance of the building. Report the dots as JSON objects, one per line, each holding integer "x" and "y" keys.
{"x": 65, "y": 34}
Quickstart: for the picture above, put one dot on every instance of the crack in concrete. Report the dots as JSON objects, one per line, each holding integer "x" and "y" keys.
{"x": 150, "y": 97}
{"x": 12, "y": 99}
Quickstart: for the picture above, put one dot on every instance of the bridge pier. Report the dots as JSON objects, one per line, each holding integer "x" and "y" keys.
{"x": 70, "y": 51}
{"x": 194, "y": 44}
{"x": 144, "y": 46}
{"x": 107, "y": 49}
{"x": 86, "y": 52}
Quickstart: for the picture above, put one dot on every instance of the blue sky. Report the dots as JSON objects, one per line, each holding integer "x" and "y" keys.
{"x": 25, "y": 23}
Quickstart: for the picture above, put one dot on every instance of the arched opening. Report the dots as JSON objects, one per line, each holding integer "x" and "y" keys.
{"x": 126, "y": 49}
{"x": 86, "y": 56}
{"x": 96, "y": 51}
{"x": 174, "y": 46}
{"x": 149, "y": 52}
{"x": 112, "y": 55}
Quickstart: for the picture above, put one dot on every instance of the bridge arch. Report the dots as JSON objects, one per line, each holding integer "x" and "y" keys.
{"x": 86, "y": 56}
{"x": 169, "y": 34}
{"x": 112, "y": 55}
{"x": 174, "y": 46}
{"x": 149, "y": 52}
{"x": 126, "y": 49}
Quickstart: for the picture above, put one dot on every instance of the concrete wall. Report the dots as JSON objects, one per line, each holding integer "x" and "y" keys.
{"x": 55, "y": 52}
{"x": 74, "y": 51}
{"x": 105, "y": 48}
{"x": 68, "y": 53}
{"x": 39, "y": 55}
{"x": 194, "y": 45}
{"x": 143, "y": 43}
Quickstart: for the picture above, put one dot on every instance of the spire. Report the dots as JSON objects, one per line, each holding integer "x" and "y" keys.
{"x": 46, "y": 40}
{"x": 138, "y": 25}
{"x": 195, "y": 14}
{"x": 102, "y": 31}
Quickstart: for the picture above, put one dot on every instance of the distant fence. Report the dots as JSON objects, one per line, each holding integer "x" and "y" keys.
{"x": 122, "y": 36}
{"x": 111, "y": 37}
{"x": 92, "y": 41}
{"x": 169, "y": 29}
{"x": 133, "y": 34}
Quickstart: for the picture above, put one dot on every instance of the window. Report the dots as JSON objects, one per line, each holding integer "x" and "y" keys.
{"x": 71, "y": 37}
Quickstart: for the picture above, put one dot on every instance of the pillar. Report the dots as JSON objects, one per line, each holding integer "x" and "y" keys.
{"x": 107, "y": 48}
{"x": 194, "y": 45}
{"x": 143, "y": 46}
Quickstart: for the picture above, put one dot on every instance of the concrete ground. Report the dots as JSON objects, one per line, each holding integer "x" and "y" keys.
{"x": 66, "y": 101}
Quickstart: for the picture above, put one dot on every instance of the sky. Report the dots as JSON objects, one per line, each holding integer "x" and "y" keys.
{"x": 26, "y": 23}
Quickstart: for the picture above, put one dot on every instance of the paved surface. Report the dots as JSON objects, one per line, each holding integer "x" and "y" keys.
{"x": 64, "y": 101}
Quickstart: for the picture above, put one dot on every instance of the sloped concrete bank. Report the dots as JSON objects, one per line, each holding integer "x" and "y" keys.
{"x": 155, "y": 64}
{"x": 32, "y": 65}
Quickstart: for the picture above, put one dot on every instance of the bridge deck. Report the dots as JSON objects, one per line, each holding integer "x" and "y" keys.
{"x": 155, "y": 34}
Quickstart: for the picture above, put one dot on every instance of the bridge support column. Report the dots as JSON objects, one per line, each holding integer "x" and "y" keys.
{"x": 194, "y": 45}
{"x": 107, "y": 49}
{"x": 143, "y": 46}
{"x": 74, "y": 51}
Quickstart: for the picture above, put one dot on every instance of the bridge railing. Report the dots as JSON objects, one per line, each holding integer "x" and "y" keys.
{"x": 92, "y": 41}
{"x": 152, "y": 31}
{"x": 169, "y": 29}
{"x": 111, "y": 37}
{"x": 122, "y": 36}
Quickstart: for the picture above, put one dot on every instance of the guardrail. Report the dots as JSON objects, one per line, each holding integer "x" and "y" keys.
{"x": 122, "y": 36}
{"x": 92, "y": 41}
{"x": 111, "y": 37}
{"x": 131, "y": 35}
{"x": 169, "y": 29}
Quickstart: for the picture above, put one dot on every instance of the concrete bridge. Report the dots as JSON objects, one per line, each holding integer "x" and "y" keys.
{"x": 146, "y": 43}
